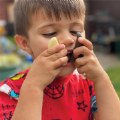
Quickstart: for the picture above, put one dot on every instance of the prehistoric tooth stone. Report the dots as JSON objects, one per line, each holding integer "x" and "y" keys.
{"x": 77, "y": 44}
{"x": 52, "y": 42}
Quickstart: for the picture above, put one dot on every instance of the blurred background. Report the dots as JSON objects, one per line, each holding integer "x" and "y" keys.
{"x": 102, "y": 28}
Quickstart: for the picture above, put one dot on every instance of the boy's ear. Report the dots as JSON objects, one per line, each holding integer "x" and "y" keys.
{"x": 23, "y": 43}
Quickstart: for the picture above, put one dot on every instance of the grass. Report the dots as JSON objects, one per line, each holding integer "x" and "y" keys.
{"x": 114, "y": 74}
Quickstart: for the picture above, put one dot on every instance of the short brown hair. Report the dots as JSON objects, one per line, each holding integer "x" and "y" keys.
{"x": 24, "y": 9}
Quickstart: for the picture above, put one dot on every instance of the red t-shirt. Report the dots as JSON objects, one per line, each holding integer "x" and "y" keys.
{"x": 67, "y": 98}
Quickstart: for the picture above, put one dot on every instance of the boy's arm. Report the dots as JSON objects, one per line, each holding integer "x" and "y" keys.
{"x": 108, "y": 102}
{"x": 43, "y": 71}
{"x": 30, "y": 102}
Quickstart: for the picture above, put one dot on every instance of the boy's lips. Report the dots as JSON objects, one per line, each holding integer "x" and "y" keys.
{"x": 69, "y": 51}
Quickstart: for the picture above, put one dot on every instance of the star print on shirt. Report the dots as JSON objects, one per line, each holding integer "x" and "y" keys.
{"x": 82, "y": 106}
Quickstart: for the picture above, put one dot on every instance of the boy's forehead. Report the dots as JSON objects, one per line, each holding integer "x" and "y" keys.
{"x": 42, "y": 15}
{"x": 40, "y": 22}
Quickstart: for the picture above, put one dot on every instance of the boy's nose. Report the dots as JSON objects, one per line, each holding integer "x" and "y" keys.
{"x": 67, "y": 40}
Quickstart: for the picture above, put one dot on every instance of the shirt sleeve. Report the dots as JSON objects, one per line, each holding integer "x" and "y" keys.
{"x": 93, "y": 98}
{"x": 7, "y": 106}
{"x": 93, "y": 104}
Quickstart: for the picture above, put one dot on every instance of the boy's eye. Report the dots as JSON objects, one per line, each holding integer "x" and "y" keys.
{"x": 74, "y": 32}
{"x": 49, "y": 34}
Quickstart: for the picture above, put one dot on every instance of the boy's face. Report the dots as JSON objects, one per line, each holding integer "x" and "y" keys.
{"x": 43, "y": 28}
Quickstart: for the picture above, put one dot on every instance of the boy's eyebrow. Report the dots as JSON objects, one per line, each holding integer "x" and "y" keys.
{"x": 78, "y": 24}
{"x": 54, "y": 24}
{"x": 47, "y": 25}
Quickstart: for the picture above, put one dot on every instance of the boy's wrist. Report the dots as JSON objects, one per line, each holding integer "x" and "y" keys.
{"x": 103, "y": 81}
{"x": 102, "y": 77}
{"x": 35, "y": 82}
{"x": 29, "y": 86}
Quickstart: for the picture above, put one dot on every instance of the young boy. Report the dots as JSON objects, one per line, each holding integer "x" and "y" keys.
{"x": 52, "y": 89}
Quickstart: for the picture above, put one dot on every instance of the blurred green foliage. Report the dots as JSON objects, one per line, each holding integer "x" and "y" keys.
{"x": 11, "y": 38}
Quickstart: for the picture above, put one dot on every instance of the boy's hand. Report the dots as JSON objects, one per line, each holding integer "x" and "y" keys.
{"x": 88, "y": 64}
{"x": 47, "y": 66}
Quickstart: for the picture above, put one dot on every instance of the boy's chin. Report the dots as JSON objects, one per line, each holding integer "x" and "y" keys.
{"x": 66, "y": 71}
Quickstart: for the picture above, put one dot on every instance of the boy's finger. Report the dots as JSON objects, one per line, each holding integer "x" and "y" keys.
{"x": 86, "y": 43}
{"x": 58, "y": 55}
{"x": 81, "y": 61}
{"x": 61, "y": 62}
{"x": 82, "y": 51}
{"x": 53, "y": 50}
